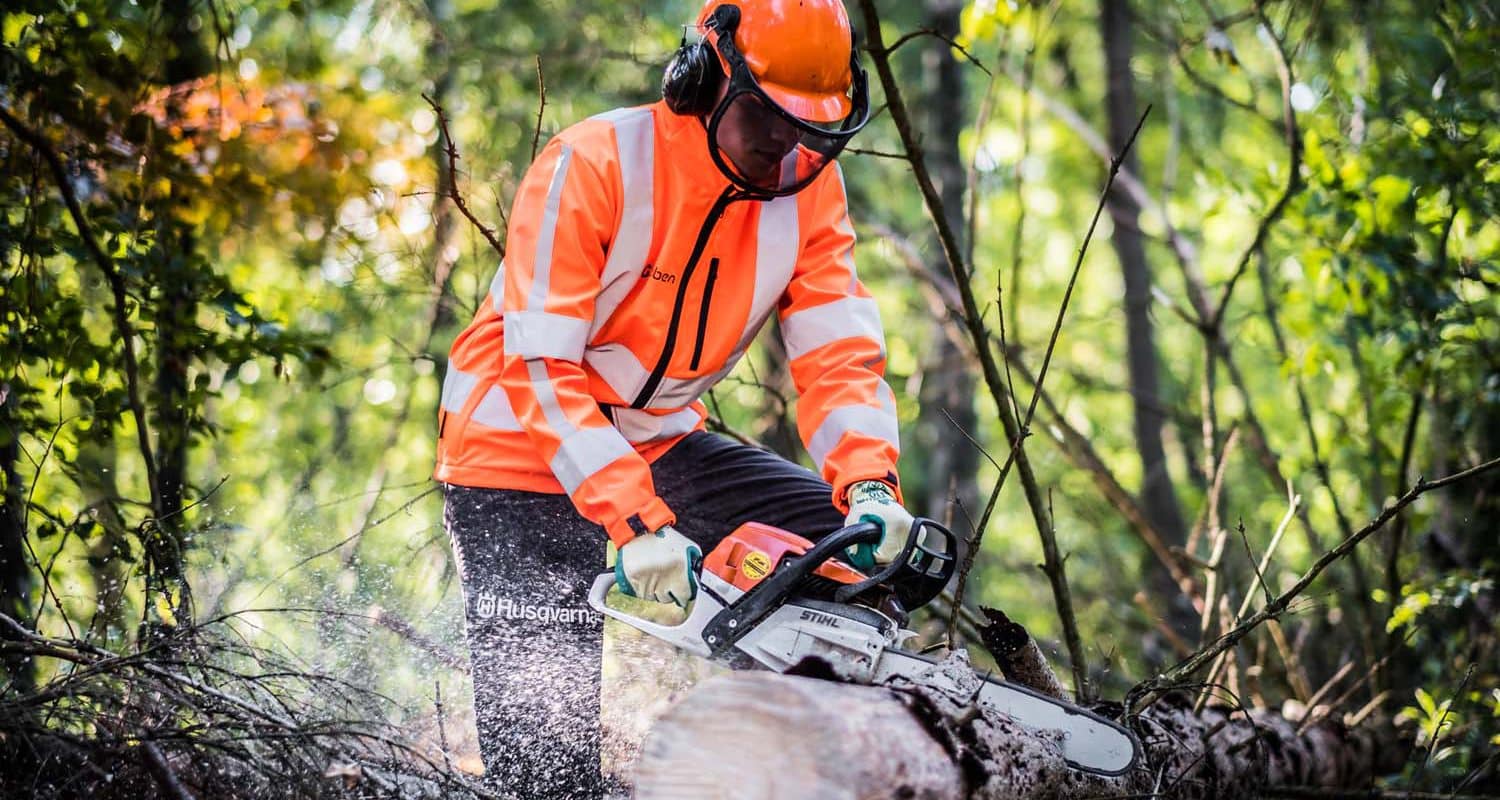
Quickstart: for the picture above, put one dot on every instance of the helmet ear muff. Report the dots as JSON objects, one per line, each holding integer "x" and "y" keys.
{"x": 692, "y": 79}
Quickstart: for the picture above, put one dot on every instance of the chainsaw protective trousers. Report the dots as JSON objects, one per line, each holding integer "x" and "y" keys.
{"x": 526, "y": 561}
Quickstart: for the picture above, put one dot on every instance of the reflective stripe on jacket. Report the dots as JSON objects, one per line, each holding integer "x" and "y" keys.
{"x": 633, "y": 282}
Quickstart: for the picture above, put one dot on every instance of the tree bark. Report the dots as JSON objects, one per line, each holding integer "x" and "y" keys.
{"x": 763, "y": 735}
{"x": 175, "y": 316}
{"x": 109, "y": 550}
{"x": 1157, "y": 492}
{"x": 15, "y": 572}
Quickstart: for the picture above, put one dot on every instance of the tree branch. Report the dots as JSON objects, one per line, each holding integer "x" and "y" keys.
{"x": 458, "y": 200}
{"x": 120, "y": 309}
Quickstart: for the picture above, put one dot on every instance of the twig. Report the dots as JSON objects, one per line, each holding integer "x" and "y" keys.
{"x": 1053, "y": 562}
{"x": 1023, "y": 124}
{"x": 1294, "y": 170}
{"x": 936, "y": 35}
{"x": 343, "y": 542}
{"x": 1317, "y": 697}
{"x": 1437, "y": 732}
{"x": 1211, "y": 583}
{"x": 46, "y": 574}
{"x": 442, "y": 722}
{"x": 541, "y": 88}
{"x": 1179, "y": 645}
{"x": 1078, "y": 449}
{"x": 1151, "y": 690}
{"x": 458, "y": 201}
{"x": 162, "y": 772}
{"x": 1398, "y": 531}
{"x": 860, "y": 151}
{"x": 1291, "y": 657}
{"x": 1216, "y": 488}
{"x": 1294, "y": 501}
{"x": 1353, "y": 720}
{"x": 399, "y": 626}
{"x": 1314, "y": 715}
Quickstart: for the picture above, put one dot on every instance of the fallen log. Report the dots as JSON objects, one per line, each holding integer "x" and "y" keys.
{"x": 764, "y": 735}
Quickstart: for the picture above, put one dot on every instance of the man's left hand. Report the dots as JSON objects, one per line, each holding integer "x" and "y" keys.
{"x": 872, "y": 501}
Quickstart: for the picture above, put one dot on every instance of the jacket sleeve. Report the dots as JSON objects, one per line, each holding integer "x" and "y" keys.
{"x": 561, "y": 224}
{"x": 831, "y": 328}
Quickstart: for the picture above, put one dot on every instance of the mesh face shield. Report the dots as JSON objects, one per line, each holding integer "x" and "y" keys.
{"x": 761, "y": 147}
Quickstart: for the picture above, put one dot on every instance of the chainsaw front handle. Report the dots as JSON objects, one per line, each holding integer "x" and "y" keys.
{"x": 919, "y": 573}
{"x": 687, "y": 634}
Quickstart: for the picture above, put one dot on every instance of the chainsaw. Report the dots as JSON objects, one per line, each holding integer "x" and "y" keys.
{"x": 768, "y": 599}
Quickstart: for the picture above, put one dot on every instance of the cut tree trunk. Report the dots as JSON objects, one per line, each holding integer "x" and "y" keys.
{"x": 765, "y": 735}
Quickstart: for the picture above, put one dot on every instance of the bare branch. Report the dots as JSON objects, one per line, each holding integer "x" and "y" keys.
{"x": 936, "y": 35}
{"x": 541, "y": 88}
{"x": 458, "y": 200}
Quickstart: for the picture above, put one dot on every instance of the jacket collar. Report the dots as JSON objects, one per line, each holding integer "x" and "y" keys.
{"x": 685, "y": 141}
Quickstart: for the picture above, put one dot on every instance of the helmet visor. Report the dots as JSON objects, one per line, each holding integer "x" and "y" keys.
{"x": 765, "y": 150}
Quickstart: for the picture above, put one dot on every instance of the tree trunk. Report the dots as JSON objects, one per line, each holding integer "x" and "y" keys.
{"x": 109, "y": 551}
{"x": 176, "y": 313}
{"x": 763, "y": 735}
{"x": 777, "y": 430}
{"x": 948, "y": 388}
{"x": 175, "y": 316}
{"x": 1160, "y": 499}
{"x": 15, "y": 571}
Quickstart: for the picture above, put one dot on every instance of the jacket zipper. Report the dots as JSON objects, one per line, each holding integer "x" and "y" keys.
{"x": 708, "y": 294}
{"x": 725, "y": 198}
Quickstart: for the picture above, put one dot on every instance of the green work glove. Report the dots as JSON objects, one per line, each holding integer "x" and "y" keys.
{"x": 661, "y": 567}
{"x": 872, "y": 501}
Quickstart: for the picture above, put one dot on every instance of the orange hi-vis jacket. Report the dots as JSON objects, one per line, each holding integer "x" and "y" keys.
{"x": 634, "y": 279}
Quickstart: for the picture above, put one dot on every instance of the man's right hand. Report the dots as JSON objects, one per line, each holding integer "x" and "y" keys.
{"x": 661, "y": 567}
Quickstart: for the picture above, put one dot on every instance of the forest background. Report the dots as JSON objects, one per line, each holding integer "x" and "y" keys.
{"x": 238, "y": 239}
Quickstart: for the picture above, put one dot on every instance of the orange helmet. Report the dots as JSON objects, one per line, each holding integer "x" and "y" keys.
{"x": 786, "y": 74}
{"x": 799, "y": 52}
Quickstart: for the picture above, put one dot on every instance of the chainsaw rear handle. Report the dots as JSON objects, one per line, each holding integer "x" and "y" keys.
{"x": 919, "y": 573}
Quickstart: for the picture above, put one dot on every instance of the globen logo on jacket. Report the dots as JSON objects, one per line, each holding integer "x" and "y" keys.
{"x": 655, "y": 274}
{"x": 636, "y": 277}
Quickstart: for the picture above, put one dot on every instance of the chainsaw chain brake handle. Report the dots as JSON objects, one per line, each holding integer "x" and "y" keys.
{"x": 917, "y": 575}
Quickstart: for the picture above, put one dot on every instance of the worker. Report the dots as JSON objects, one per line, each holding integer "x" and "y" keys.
{"x": 646, "y": 248}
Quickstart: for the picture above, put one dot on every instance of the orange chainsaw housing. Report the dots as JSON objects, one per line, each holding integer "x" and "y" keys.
{"x": 754, "y": 550}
